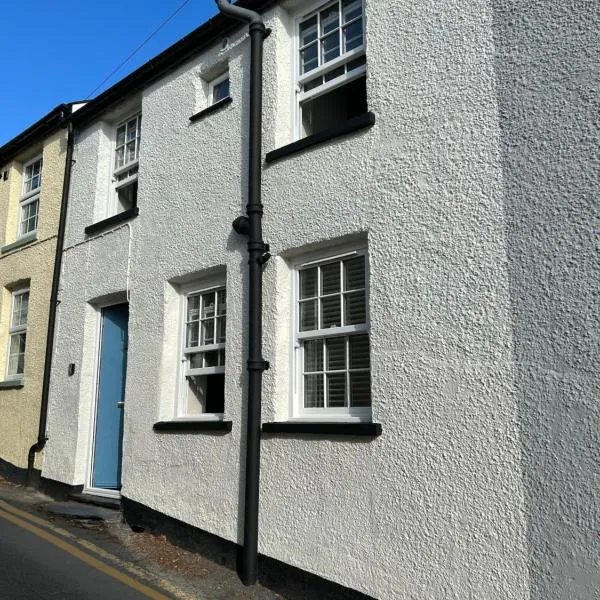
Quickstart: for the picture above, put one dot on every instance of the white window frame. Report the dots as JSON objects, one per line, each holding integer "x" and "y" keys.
{"x": 205, "y": 287}
{"x": 347, "y": 413}
{"x": 215, "y": 82}
{"x": 29, "y": 197}
{"x": 116, "y": 183}
{"x": 16, "y": 330}
{"x": 344, "y": 58}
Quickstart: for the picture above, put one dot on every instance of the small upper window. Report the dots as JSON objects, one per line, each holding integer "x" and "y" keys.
{"x": 29, "y": 205}
{"x": 332, "y": 339}
{"x": 125, "y": 168}
{"x": 203, "y": 353}
{"x": 331, "y": 66}
{"x": 17, "y": 334}
{"x": 219, "y": 88}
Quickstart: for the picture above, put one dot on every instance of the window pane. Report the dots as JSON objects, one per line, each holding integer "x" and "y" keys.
{"x": 336, "y": 389}
{"x": 312, "y": 84}
{"x": 221, "y": 303}
{"x": 208, "y": 305}
{"x": 121, "y": 135}
{"x": 359, "y": 352}
{"x": 336, "y": 354}
{"x": 205, "y": 394}
{"x": 16, "y": 360}
{"x": 16, "y": 364}
{"x": 220, "y": 330}
{"x": 119, "y": 157}
{"x": 192, "y": 335}
{"x": 29, "y": 217}
{"x": 127, "y": 196}
{"x": 331, "y": 312}
{"x": 308, "y": 315}
{"x": 20, "y": 309}
{"x": 308, "y": 31}
{"x": 132, "y": 129}
{"x": 360, "y": 389}
{"x": 331, "y": 47}
{"x": 308, "y": 283}
{"x": 313, "y": 391}
{"x": 309, "y": 58}
{"x": 17, "y": 343}
{"x": 196, "y": 360}
{"x": 208, "y": 332}
{"x": 355, "y": 309}
{"x": 222, "y": 357}
{"x": 313, "y": 356}
{"x": 334, "y": 73}
{"x": 211, "y": 359}
{"x": 193, "y": 313}
{"x": 221, "y": 90}
{"x": 35, "y": 182}
{"x": 351, "y": 9}
{"x": 354, "y": 273}
{"x": 131, "y": 155}
{"x": 353, "y": 35}
{"x": 330, "y": 19}
{"x": 358, "y": 62}
{"x": 330, "y": 278}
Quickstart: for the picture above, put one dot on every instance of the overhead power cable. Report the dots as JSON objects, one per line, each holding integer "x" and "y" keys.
{"x": 126, "y": 60}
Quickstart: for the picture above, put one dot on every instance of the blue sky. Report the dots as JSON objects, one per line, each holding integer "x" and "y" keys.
{"x": 55, "y": 52}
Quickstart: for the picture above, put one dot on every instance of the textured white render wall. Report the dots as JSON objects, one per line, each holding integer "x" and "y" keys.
{"x": 434, "y": 508}
{"x": 94, "y": 272}
{"x": 548, "y": 58}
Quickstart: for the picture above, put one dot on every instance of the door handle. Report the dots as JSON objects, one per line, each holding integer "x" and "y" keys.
{"x": 120, "y": 404}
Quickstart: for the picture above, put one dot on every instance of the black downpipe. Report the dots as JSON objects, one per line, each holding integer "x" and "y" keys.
{"x": 258, "y": 255}
{"x": 60, "y": 238}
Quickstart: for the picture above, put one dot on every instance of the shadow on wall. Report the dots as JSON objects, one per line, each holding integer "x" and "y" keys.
{"x": 547, "y": 61}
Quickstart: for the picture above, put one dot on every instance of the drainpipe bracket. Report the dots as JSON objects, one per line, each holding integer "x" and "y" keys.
{"x": 241, "y": 225}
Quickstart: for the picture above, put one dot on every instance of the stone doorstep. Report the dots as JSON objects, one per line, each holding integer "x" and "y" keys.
{"x": 112, "y": 503}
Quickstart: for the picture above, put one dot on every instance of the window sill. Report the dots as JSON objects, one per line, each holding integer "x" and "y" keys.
{"x": 22, "y": 241}
{"x": 193, "y": 425}
{"x": 210, "y": 109}
{"x": 12, "y": 384}
{"x": 324, "y": 428}
{"x": 114, "y": 220}
{"x": 356, "y": 124}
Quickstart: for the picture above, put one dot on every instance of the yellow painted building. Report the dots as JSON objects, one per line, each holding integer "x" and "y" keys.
{"x": 32, "y": 168}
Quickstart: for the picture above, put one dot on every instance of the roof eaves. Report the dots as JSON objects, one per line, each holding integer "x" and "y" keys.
{"x": 168, "y": 60}
{"x": 35, "y": 133}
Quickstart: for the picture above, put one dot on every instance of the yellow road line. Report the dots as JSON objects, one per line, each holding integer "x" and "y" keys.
{"x": 83, "y": 556}
{"x": 139, "y": 572}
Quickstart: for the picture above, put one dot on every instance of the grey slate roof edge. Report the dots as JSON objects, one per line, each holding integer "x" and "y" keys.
{"x": 181, "y": 51}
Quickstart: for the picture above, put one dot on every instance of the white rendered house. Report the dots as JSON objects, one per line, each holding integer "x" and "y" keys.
{"x": 398, "y": 443}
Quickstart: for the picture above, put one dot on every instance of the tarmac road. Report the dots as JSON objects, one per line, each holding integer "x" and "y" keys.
{"x": 36, "y": 563}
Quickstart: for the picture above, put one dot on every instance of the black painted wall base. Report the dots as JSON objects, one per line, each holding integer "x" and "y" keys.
{"x": 288, "y": 581}
{"x": 13, "y": 473}
{"x": 58, "y": 490}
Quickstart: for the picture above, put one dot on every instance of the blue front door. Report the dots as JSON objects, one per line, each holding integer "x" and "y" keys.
{"x": 111, "y": 394}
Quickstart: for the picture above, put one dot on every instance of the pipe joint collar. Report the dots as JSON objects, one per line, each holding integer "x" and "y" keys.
{"x": 258, "y": 365}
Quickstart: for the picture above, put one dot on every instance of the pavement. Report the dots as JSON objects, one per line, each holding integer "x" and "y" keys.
{"x": 71, "y": 550}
